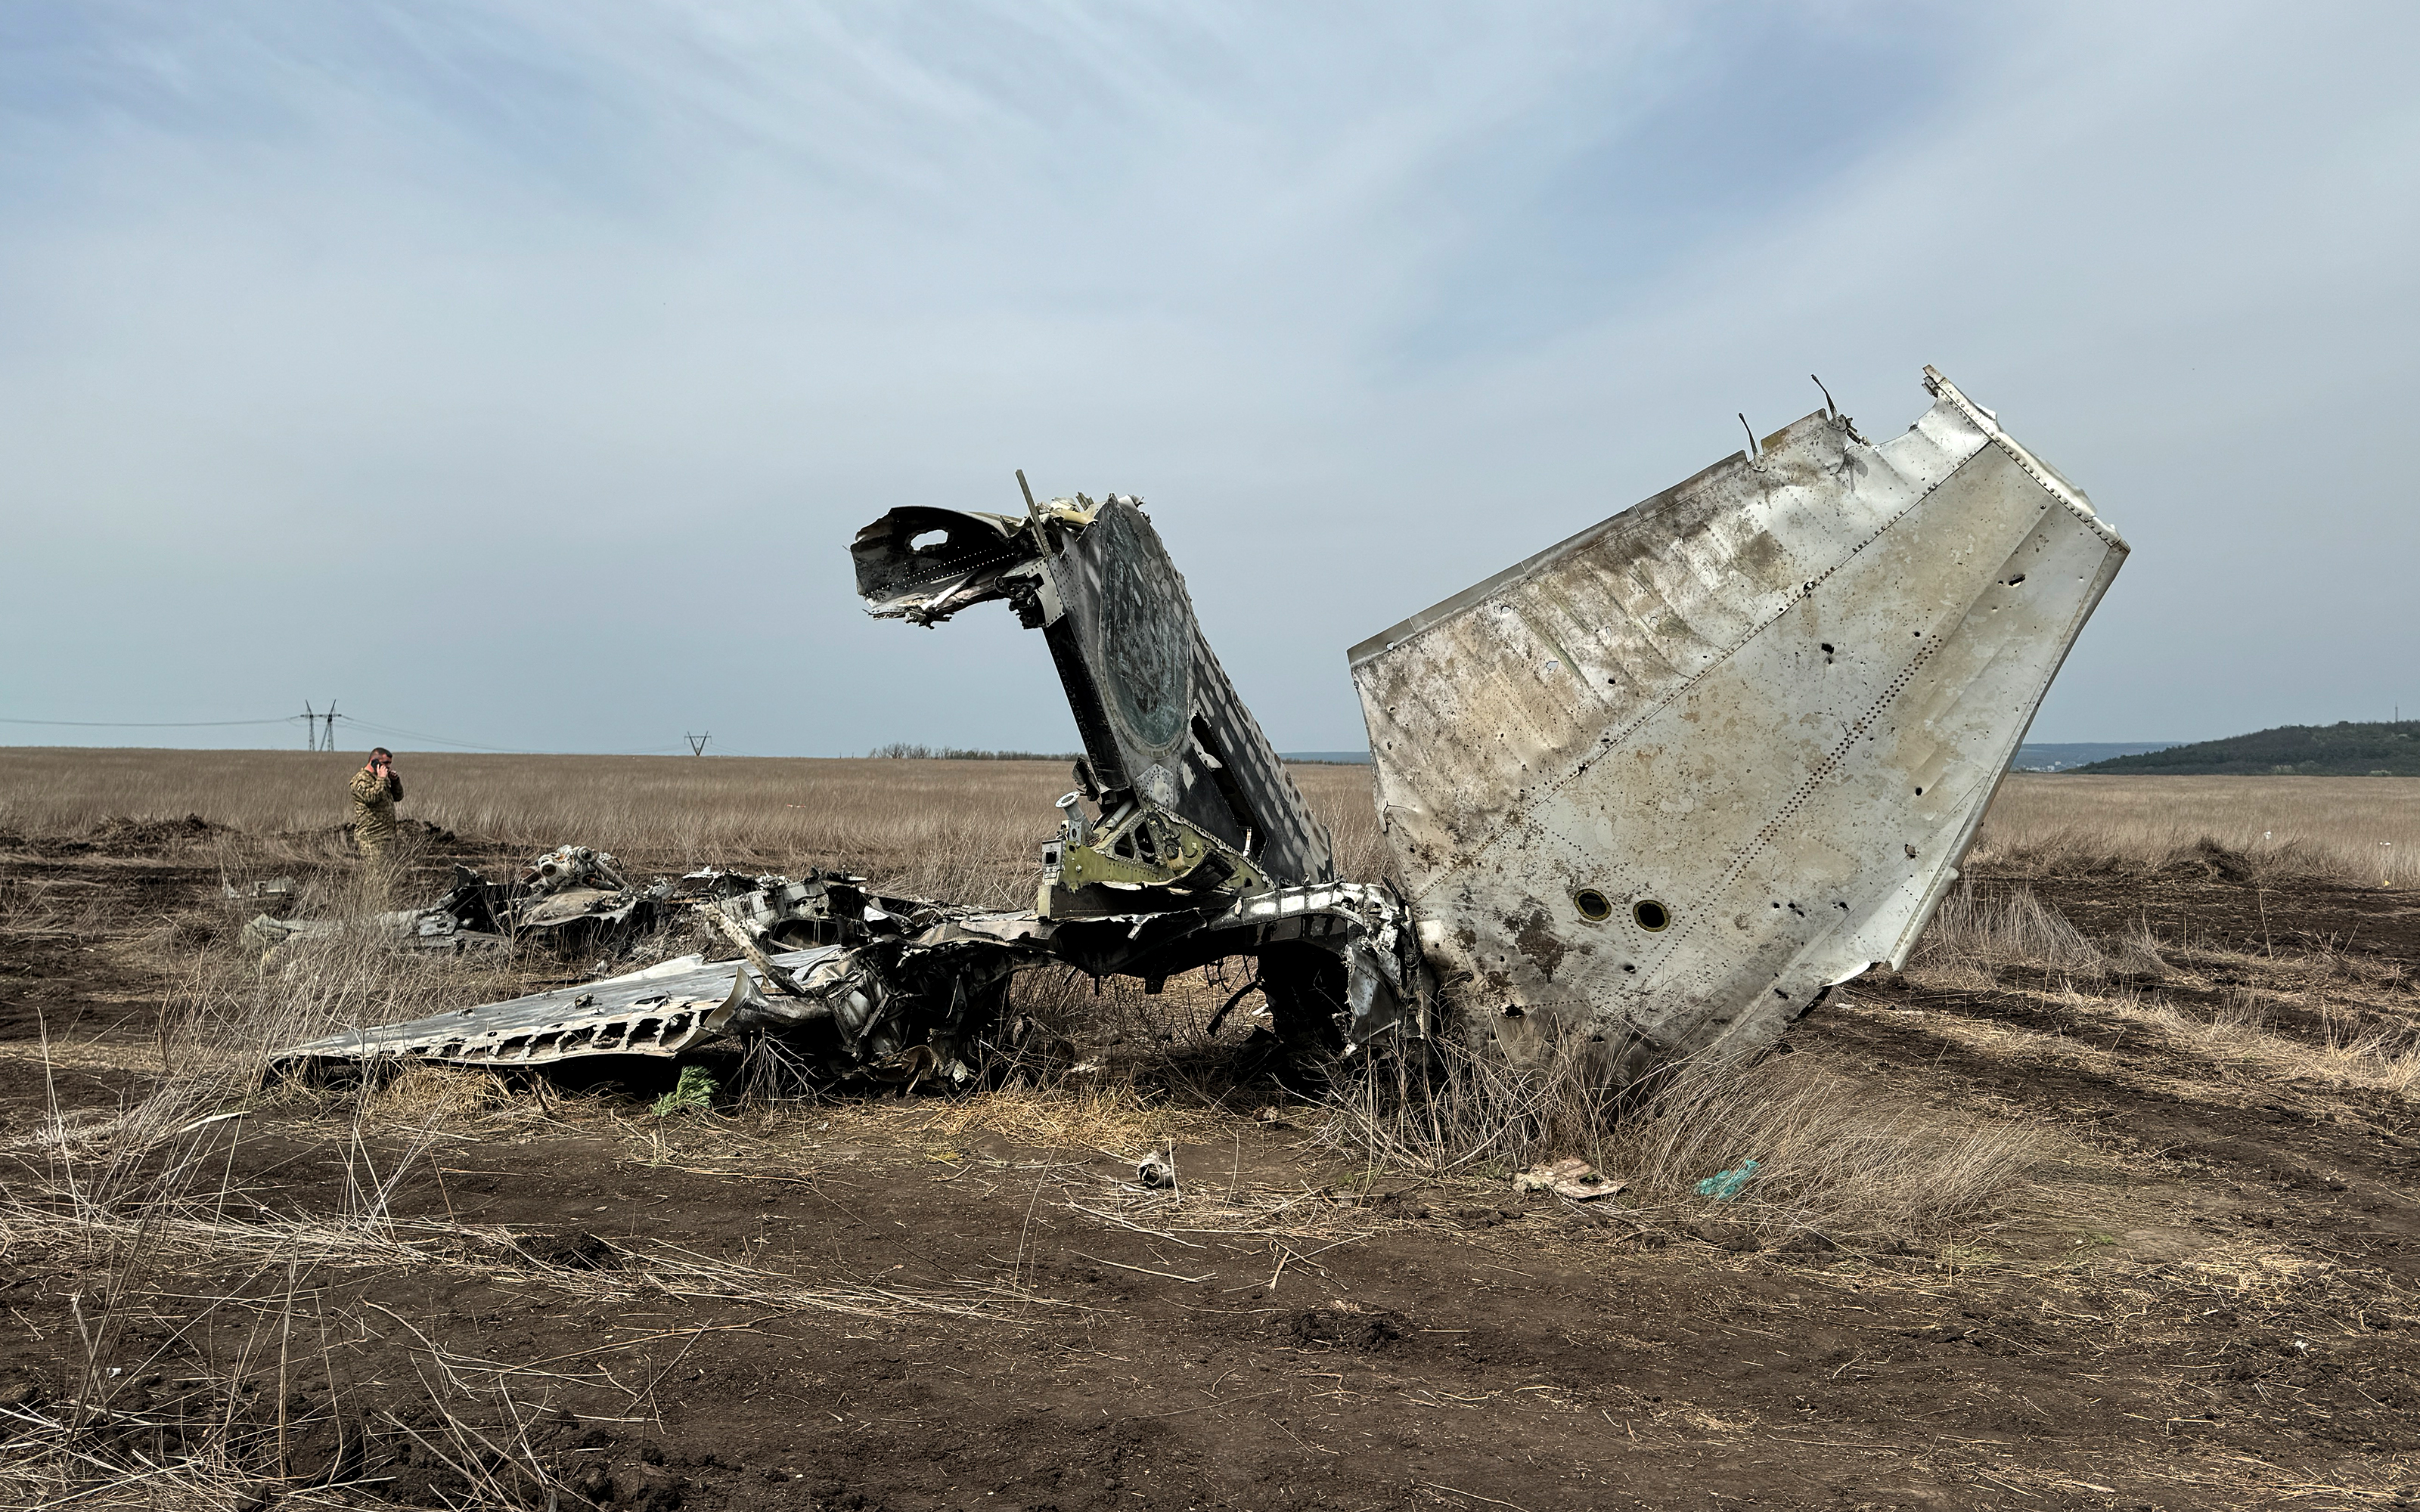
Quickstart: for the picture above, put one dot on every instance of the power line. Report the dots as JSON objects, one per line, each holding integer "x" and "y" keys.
{"x": 440, "y": 740}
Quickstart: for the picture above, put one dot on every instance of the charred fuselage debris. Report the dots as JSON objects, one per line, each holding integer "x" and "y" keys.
{"x": 1160, "y": 721}
{"x": 1659, "y": 787}
{"x": 1186, "y": 840}
{"x": 852, "y": 980}
{"x": 570, "y": 900}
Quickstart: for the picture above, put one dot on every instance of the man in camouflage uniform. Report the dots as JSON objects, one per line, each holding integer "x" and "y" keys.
{"x": 376, "y": 792}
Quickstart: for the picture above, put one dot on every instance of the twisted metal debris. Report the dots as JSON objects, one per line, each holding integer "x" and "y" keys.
{"x": 1662, "y": 785}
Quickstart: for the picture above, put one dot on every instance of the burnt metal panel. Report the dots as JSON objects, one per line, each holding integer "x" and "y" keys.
{"x": 1667, "y": 781}
{"x": 1158, "y": 718}
{"x": 961, "y": 559}
{"x": 1129, "y": 623}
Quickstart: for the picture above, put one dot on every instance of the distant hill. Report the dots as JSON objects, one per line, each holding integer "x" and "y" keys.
{"x": 2054, "y": 757}
{"x": 2341, "y": 749}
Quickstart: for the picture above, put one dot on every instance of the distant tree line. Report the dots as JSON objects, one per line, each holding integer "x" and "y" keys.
{"x": 902, "y": 750}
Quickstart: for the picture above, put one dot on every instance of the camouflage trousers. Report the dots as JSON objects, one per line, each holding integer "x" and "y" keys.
{"x": 381, "y": 864}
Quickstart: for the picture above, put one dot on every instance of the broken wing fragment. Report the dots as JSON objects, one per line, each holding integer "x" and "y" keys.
{"x": 1667, "y": 782}
{"x": 661, "y": 1012}
{"x": 922, "y": 564}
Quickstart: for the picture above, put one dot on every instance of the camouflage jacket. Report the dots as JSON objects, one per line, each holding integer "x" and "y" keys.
{"x": 374, "y": 806}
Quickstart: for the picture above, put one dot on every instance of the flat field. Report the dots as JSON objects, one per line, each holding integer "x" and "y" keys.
{"x": 964, "y": 829}
{"x": 2108, "y": 1201}
{"x": 679, "y": 812}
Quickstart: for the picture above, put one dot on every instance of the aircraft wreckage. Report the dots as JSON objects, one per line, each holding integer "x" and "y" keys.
{"x": 1662, "y": 785}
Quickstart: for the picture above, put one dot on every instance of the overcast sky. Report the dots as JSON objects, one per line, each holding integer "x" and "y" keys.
{"x": 517, "y": 373}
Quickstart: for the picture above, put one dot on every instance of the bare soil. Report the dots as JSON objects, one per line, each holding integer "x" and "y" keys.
{"x": 2209, "y": 1302}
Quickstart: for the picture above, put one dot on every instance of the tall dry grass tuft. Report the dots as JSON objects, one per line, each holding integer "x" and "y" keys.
{"x": 262, "y": 1410}
{"x": 134, "y": 1203}
{"x": 1830, "y": 1155}
{"x": 226, "y": 1015}
{"x": 1981, "y": 933}
{"x": 1453, "y": 1110}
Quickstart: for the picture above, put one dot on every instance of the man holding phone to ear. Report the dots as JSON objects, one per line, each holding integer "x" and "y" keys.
{"x": 376, "y": 792}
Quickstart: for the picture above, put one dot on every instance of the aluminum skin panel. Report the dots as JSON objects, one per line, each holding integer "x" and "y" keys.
{"x": 653, "y": 1012}
{"x": 1667, "y": 781}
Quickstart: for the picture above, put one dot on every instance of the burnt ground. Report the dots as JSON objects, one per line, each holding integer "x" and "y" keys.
{"x": 445, "y": 1292}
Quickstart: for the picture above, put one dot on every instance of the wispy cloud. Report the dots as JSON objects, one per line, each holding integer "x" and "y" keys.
{"x": 521, "y": 371}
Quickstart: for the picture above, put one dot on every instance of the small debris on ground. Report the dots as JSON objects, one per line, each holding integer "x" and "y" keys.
{"x": 692, "y": 1093}
{"x": 1724, "y": 1185}
{"x": 1570, "y": 1177}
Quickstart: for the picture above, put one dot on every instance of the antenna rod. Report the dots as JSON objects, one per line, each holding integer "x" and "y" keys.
{"x": 1033, "y": 513}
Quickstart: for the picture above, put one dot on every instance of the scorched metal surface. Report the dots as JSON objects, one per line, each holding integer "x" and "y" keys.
{"x": 1668, "y": 782}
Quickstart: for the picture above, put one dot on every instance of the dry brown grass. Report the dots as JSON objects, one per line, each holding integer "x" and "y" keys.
{"x": 1109, "y": 1118}
{"x": 942, "y": 820}
{"x": 253, "y": 1427}
{"x": 1828, "y": 1159}
{"x": 1978, "y": 936}
{"x": 142, "y": 1201}
{"x": 166, "y": 1224}
{"x": 2278, "y": 1037}
{"x": 1457, "y": 1111}
{"x": 2359, "y": 830}
{"x": 2316, "y": 1014}
{"x": 970, "y": 830}
{"x": 136, "y": 1190}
